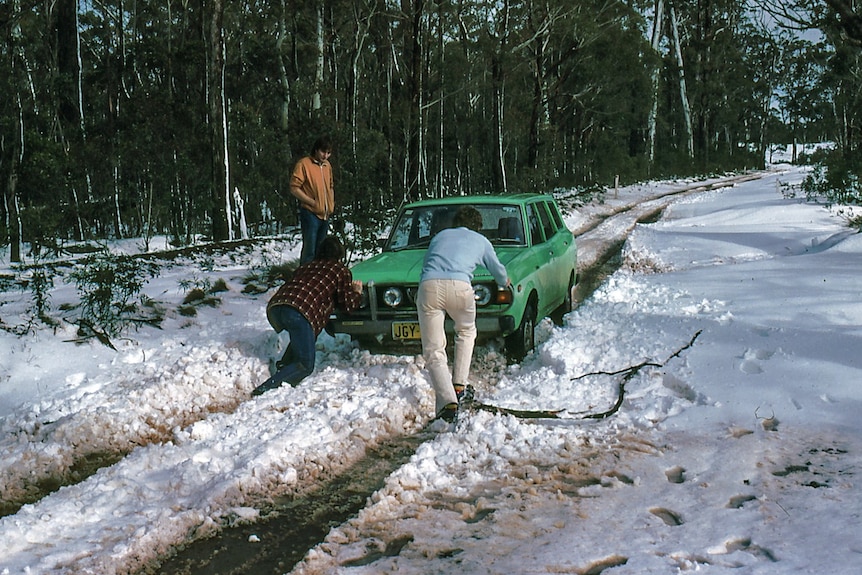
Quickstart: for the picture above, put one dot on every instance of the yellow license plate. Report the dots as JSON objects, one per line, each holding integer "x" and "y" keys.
{"x": 406, "y": 330}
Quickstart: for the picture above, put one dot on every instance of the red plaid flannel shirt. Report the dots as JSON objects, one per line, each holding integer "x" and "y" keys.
{"x": 315, "y": 289}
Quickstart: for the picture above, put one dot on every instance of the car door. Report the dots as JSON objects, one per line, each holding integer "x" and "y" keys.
{"x": 542, "y": 255}
{"x": 559, "y": 242}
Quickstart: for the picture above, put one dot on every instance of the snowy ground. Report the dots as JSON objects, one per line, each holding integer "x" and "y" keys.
{"x": 740, "y": 452}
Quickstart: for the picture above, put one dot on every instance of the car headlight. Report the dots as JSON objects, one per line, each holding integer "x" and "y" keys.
{"x": 482, "y": 294}
{"x": 393, "y": 296}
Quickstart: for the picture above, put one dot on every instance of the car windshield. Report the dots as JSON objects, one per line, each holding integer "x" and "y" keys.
{"x": 502, "y": 224}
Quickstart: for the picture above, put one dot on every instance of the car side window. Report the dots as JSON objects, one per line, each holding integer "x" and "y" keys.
{"x": 547, "y": 225}
{"x": 535, "y": 225}
{"x": 555, "y": 215}
{"x": 404, "y": 231}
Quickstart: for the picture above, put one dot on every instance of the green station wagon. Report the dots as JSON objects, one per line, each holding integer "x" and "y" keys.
{"x": 530, "y": 239}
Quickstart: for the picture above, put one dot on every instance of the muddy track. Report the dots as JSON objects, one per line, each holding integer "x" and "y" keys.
{"x": 290, "y": 528}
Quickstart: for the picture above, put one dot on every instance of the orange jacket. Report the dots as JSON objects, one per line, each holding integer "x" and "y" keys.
{"x": 311, "y": 184}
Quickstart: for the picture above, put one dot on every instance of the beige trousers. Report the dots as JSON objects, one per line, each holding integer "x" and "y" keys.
{"x": 437, "y": 299}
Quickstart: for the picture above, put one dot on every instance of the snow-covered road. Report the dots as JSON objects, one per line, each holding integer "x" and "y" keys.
{"x": 723, "y": 458}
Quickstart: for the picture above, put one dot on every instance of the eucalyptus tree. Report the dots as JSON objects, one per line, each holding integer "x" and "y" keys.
{"x": 186, "y": 118}
{"x": 12, "y": 94}
{"x": 666, "y": 24}
{"x": 830, "y": 73}
{"x": 801, "y": 71}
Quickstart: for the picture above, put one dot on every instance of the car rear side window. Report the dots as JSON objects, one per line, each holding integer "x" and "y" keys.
{"x": 535, "y": 224}
{"x": 547, "y": 225}
{"x": 555, "y": 215}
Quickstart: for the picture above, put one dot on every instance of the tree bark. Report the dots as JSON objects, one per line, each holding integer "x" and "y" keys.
{"x": 63, "y": 18}
{"x": 658, "y": 15}
{"x": 319, "y": 60}
{"x": 498, "y": 82}
{"x": 14, "y": 224}
{"x": 282, "y": 69}
{"x": 221, "y": 218}
{"x": 17, "y": 67}
{"x": 413, "y": 10}
{"x": 362, "y": 21}
{"x": 683, "y": 91}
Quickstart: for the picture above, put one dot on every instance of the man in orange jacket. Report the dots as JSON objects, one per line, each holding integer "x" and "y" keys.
{"x": 311, "y": 184}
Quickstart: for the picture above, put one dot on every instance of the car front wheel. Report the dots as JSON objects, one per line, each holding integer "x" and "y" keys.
{"x": 523, "y": 340}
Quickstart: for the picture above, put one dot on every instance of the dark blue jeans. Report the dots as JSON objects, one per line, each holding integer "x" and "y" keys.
{"x": 299, "y": 356}
{"x": 314, "y": 231}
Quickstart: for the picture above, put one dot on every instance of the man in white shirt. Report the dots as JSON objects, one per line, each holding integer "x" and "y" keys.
{"x": 445, "y": 288}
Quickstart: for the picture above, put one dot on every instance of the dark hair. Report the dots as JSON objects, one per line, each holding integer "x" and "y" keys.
{"x": 330, "y": 249}
{"x": 323, "y": 143}
{"x": 468, "y": 217}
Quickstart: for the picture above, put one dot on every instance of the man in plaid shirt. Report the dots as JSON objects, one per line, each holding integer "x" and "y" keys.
{"x": 302, "y": 306}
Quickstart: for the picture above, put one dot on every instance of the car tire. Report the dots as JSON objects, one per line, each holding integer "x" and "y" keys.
{"x": 522, "y": 341}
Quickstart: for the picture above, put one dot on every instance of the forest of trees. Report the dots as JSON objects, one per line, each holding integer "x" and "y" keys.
{"x": 124, "y": 118}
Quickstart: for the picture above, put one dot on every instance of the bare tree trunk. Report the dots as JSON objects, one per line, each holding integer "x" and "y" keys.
{"x": 463, "y": 163}
{"x": 221, "y": 218}
{"x": 540, "y": 25}
{"x": 363, "y": 20}
{"x": 441, "y": 167}
{"x": 63, "y": 18}
{"x": 498, "y": 81}
{"x": 14, "y": 225}
{"x": 18, "y": 67}
{"x": 13, "y": 211}
{"x": 683, "y": 92}
{"x": 391, "y": 64}
{"x": 658, "y": 15}
{"x": 282, "y": 69}
{"x": 113, "y": 114}
{"x": 704, "y": 35}
{"x": 319, "y": 60}
{"x": 413, "y": 9}
{"x": 118, "y": 220}
{"x": 79, "y": 73}
{"x": 500, "y": 184}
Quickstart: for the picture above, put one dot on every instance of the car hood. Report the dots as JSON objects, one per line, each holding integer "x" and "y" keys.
{"x": 405, "y": 266}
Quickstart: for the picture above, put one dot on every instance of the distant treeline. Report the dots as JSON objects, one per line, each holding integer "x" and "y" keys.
{"x": 129, "y": 119}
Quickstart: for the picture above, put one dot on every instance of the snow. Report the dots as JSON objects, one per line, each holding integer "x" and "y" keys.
{"x": 736, "y": 447}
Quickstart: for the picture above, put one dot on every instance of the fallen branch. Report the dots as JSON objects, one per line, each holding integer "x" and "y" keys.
{"x": 628, "y": 373}
{"x": 520, "y": 413}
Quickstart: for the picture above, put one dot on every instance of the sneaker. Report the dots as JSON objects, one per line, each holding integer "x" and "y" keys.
{"x": 448, "y": 413}
{"x": 464, "y": 393}
{"x": 264, "y": 387}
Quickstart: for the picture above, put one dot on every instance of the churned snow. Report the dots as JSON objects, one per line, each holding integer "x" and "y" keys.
{"x": 734, "y": 323}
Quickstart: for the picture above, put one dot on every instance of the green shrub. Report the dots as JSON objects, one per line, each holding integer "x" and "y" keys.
{"x": 835, "y": 178}
{"x": 108, "y": 286}
{"x": 40, "y": 284}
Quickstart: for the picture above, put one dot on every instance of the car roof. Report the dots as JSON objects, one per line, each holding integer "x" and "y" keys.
{"x": 480, "y": 199}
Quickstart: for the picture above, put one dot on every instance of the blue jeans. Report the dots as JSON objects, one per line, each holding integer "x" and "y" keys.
{"x": 299, "y": 356}
{"x": 314, "y": 231}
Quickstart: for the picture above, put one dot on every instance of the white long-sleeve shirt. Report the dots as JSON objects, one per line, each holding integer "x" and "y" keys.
{"x": 454, "y": 253}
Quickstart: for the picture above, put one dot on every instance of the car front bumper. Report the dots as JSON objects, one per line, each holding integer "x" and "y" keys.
{"x": 487, "y": 327}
